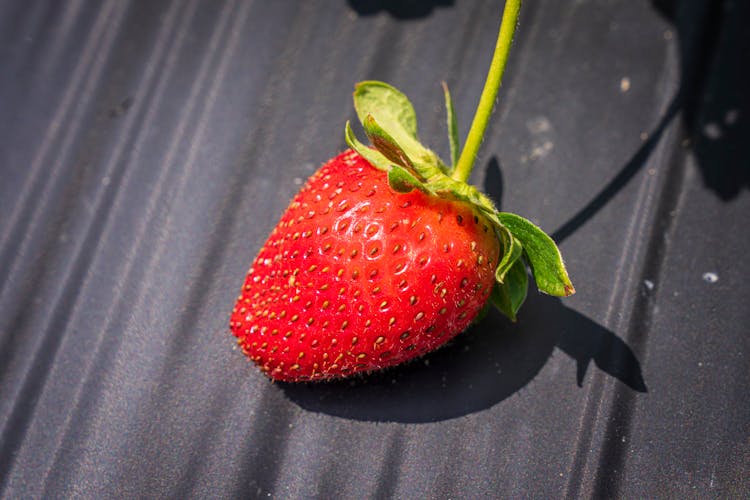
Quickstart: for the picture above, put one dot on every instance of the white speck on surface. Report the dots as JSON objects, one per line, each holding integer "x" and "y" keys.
{"x": 624, "y": 84}
{"x": 541, "y": 151}
{"x": 712, "y": 131}
{"x": 427, "y": 362}
{"x": 731, "y": 116}
{"x": 644, "y": 136}
{"x": 106, "y": 180}
{"x": 298, "y": 181}
{"x": 539, "y": 125}
{"x": 710, "y": 277}
{"x": 648, "y": 284}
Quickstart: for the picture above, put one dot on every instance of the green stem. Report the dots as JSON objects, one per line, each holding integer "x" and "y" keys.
{"x": 489, "y": 93}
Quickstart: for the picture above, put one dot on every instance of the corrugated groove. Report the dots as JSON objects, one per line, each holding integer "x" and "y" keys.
{"x": 103, "y": 35}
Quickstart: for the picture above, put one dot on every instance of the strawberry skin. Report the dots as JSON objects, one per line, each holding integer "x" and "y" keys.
{"x": 356, "y": 277}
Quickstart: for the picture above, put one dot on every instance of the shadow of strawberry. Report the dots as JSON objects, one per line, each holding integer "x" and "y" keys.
{"x": 480, "y": 368}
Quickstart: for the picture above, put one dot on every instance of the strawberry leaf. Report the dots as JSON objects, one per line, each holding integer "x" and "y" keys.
{"x": 402, "y": 181}
{"x": 402, "y": 149}
{"x": 373, "y": 156}
{"x": 543, "y": 255}
{"x": 512, "y": 250}
{"x": 385, "y": 143}
{"x": 455, "y": 142}
{"x": 387, "y": 104}
{"x": 510, "y": 296}
{"x": 389, "y": 118}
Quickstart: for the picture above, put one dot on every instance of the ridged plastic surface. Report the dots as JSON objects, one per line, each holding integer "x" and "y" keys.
{"x": 148, "y": 148}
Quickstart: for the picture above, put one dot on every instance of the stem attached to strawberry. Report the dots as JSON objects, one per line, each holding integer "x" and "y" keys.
{"x": 390, "y": 123}
{"x": 489, "y": 92}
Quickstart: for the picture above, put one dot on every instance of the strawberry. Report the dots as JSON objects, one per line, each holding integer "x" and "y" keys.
{"x": 356, "y": 277}
{"x": 383, "y": 255}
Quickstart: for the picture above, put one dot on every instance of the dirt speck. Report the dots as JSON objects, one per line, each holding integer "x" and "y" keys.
{"x": 624, "y": 84}
{"x": 712, "y": 131}
{"x": 731, "y": 116}
{"x": 710, "y": 277}
{"x": 538, "y": 125}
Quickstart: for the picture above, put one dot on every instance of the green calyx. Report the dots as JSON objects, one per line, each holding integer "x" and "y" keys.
{"x": 390, "y": 124}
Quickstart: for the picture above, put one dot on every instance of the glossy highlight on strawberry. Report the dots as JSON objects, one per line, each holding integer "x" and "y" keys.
{"x": 356, "y": 277}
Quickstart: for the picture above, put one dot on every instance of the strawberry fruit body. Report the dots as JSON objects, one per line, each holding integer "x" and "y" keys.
{"x": 357, "y": 277}
{"x": 384, "y": 254}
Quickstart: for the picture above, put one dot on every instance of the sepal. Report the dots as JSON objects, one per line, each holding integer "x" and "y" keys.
{"x": 402, "y": 181}
{"x": 512, "y": 250}
{"x": 509, "y": 296}
{"x": 543, "y": 255}
{"x": 450, "y": 117}
{"x": 390, "y": 123}
{"x": 373, "y": 156}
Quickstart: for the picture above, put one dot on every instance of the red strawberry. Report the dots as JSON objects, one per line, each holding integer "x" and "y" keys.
{"x": 382, "y": 257}
{"x": 356, "y": 277}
